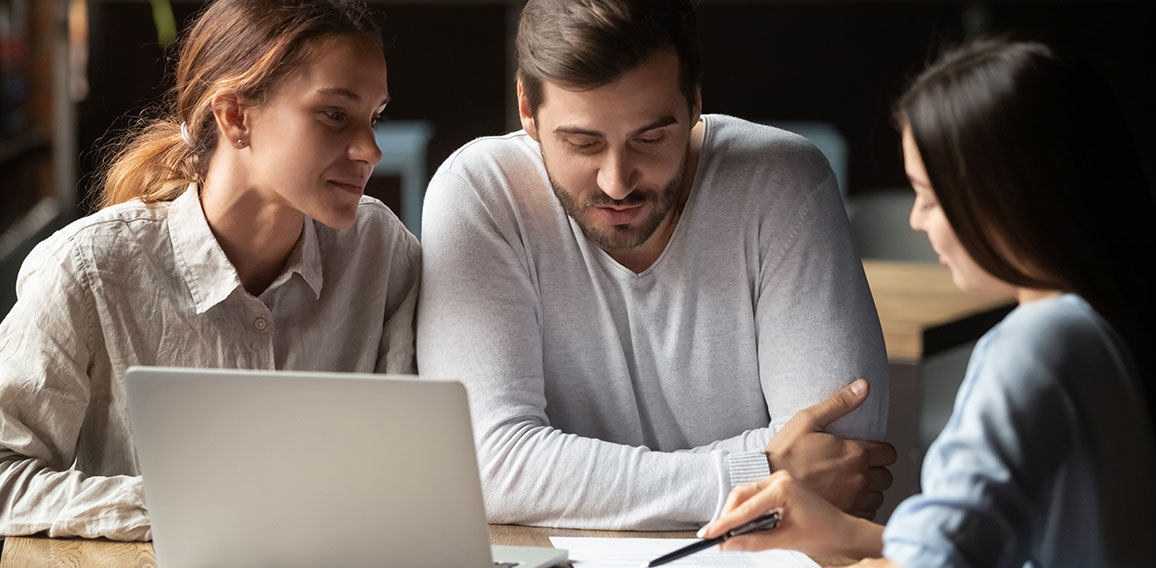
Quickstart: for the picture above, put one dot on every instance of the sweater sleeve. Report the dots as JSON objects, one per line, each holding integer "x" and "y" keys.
{"x": 45, "y": 349}
{"x": 818, "y": 329}
{"x": 479, "y": 321}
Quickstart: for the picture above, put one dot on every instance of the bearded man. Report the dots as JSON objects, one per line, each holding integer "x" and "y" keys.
{"x": 643, "y": 301}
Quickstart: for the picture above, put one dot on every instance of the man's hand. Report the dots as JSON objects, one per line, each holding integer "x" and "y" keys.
{"x": 851, "y": 474}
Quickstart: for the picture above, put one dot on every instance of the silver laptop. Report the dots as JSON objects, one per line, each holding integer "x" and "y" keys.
{"x": 255, "y": 468}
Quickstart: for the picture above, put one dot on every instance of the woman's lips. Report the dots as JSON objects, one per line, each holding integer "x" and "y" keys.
{"x": 354, "y": 188}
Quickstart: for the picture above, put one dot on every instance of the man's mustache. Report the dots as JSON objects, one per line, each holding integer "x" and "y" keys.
{"x": 633, "y": 198}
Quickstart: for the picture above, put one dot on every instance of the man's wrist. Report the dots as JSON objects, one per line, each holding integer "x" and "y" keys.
{"x": 773, "y": 458}
{"x": 745, "y": 467}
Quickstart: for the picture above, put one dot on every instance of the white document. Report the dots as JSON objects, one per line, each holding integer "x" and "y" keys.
{"x": 635, "y": 552}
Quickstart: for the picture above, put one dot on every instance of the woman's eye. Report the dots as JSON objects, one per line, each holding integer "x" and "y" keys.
{"x": 376, "y": 119}
{"x": 335, "y": 115}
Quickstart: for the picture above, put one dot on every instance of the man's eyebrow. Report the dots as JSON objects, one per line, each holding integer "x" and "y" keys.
{"x": 664, "y": 121}
{"x": 348, "y": 94}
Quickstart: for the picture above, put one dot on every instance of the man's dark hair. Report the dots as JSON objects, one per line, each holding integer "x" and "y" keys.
{"x": 585, "y": 44}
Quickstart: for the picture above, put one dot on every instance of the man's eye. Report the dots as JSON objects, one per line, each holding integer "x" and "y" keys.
{"x": 376, "y": 119}
{"x": 651, "y": 141}
{"x": 580, "y": 147}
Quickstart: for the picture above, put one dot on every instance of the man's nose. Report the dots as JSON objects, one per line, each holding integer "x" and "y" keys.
{"x": 617, "y": 177}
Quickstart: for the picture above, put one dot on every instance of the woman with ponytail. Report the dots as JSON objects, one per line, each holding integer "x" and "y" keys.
{"x": 233, "y": 234}
{"x": 1027, "y": 184}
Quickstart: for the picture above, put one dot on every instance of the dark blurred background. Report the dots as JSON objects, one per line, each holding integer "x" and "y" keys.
{"x": 836, "y": 63}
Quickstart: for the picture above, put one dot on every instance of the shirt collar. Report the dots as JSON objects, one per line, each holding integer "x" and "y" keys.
{"x": 304, "y": 259}
{"x": 209, "y": 274}
{"x": 206, "y": 270}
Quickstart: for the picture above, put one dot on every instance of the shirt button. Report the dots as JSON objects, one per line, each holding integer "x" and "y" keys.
{"x": 260, "y": 324}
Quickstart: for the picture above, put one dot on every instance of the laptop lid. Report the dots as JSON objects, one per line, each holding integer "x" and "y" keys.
{"x": 258, "y": 468}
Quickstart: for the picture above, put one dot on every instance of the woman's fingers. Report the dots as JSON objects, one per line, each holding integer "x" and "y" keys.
{"x": 747, "y": 502}
{"x": 755, "y": 541}
{"x": 738, "y": 495}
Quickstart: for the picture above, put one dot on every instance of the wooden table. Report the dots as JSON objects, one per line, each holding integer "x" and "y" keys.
{"x": 922, "y": 314}
{"x": 35, "y": 552}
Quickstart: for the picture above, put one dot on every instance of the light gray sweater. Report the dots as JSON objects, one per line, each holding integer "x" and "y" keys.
{"x": 602, "y": 398}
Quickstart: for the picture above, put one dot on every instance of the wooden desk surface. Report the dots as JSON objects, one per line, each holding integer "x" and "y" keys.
{"x": 922, "y": 312}
{"x": 37, "y": 552}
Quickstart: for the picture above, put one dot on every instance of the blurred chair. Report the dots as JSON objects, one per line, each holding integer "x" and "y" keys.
{"x": 880, "y": 229}
{"x": 403, "y": 153}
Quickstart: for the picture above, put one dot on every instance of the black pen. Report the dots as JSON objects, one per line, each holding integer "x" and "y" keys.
{"x": 763, "y": 523}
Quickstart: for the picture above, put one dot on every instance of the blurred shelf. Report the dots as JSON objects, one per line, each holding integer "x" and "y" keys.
{"x": 20, "y": 147}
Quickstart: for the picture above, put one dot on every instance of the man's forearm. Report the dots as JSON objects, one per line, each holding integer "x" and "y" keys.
{"x": 539, "y": 475}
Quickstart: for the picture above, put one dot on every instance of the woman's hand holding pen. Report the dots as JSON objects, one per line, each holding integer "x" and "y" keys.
{"x": 809, "y": 523}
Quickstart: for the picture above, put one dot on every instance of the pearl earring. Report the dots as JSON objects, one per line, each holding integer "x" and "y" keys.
{"x": 240, "y": 142}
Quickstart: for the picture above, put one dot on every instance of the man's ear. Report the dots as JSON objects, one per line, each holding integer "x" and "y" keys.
{"x": 232, "y": 119}
{"x": 525, "y": 114}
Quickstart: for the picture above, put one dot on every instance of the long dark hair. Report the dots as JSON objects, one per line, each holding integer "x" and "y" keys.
{"x": 1035, "y": 169}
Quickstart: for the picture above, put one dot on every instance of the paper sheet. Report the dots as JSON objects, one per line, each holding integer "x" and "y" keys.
{"x": 635, "y": 552}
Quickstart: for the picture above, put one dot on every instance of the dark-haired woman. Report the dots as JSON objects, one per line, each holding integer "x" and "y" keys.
{"x": 234, "y": 234}
{"x": 1026, "y": 184}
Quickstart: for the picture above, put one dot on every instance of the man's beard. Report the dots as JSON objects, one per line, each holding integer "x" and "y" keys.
{"x": 621, "y": 237}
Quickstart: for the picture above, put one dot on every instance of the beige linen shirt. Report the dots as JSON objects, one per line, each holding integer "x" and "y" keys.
{"x": 138, "y": 284}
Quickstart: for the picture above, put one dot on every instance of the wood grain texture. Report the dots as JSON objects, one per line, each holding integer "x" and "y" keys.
{"x": 38, "y": 552}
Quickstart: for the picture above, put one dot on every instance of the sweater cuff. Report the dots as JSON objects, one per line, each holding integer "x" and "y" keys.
{"x": 745, "y": 467}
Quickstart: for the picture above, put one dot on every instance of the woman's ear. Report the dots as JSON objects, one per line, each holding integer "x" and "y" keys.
{"x": 232, "y": 119}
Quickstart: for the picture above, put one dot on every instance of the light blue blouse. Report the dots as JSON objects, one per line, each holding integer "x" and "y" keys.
{"x": 1047, "y": 459}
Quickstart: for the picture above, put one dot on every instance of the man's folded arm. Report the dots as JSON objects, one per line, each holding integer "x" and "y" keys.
{"x": 538, "y": 475}
{"x": 818, "y": 327}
